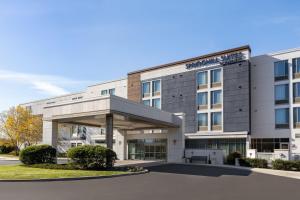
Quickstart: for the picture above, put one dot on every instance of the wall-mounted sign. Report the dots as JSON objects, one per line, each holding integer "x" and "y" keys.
{"x": 222, "y": 60}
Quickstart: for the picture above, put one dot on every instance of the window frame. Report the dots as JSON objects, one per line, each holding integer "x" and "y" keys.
{"x": 286, "y": 93}
{"x": 286, "y": 75}
{"x": 282, "y": 125}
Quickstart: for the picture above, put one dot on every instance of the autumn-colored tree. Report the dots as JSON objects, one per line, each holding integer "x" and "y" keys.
{"x": 21, "y": 126}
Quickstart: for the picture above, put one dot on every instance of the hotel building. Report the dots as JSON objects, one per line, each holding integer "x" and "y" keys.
{"x": 209, "y": 105}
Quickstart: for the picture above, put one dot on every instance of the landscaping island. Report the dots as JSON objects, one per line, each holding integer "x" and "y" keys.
{"x": 39, "y": 162}
{"x": 22, "y": 172}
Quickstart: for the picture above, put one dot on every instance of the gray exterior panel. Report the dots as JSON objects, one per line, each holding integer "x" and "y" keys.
{"x": 236, "y": 97}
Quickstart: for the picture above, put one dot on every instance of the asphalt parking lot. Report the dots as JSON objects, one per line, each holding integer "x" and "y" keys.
{"x": 162, "y": 183}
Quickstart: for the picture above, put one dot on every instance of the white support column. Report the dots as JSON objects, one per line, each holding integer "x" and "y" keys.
{"x": 176, "y": 141}
{"x": 50, "y": 132}
{"x": 120, "y": 143}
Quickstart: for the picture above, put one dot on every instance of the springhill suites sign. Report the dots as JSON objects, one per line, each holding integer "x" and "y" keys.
{"x": 222, "y": 60}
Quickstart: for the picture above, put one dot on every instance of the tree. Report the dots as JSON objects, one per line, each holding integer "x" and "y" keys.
{"x": 21, "y": 126}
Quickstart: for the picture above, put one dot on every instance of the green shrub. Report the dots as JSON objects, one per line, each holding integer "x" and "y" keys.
{"x": 286, "y": 165}
{"x": 231, "y": 158}
{"x": 92, "y": 157}
{"x": 253, "y": 162}
{"x": 6, "y": 146}
{"x": 38, "y": 154}
{"x": 5, "y": 149}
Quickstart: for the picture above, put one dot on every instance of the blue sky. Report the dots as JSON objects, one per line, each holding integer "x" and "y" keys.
{"x": 49, "y": 48}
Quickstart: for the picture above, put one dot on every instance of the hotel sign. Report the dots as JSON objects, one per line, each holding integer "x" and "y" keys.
{"x": 226, "y": 59}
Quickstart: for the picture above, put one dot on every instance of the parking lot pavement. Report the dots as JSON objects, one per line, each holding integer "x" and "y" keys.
{"x": 165, "y": 182}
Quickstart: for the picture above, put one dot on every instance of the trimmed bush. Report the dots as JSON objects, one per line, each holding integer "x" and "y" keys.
{"x": 92, "y": 157}
{"x": 38, "y": 154}
{"x": 231, "y": 158}
{"x": 5, "y": 149}
{"x": 6, "y": 146}
{"x": 288, "y": 165}
{"x": 253, "y": 162}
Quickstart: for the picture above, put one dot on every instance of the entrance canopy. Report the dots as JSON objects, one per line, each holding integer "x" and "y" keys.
{"x": 126, "y": 114}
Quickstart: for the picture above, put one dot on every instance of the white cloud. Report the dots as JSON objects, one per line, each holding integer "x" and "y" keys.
{"x": 46, "y": 84}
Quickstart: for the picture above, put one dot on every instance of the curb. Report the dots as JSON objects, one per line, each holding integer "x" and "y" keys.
{"x": 75, "y": 178}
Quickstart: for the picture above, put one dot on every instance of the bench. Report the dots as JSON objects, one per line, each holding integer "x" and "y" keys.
{"x": 200, "y": 159}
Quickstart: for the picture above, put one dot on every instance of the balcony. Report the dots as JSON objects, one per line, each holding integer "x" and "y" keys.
{"x": 202, "y": 107}
{"x": 297, "y": 125}
{"x": 216, "y": 127}
{"x": 216, "y": 106}
{"x": 217, "y": 84}
{"x": 202, "y": 128}
{"x": 201, "y": 87}
{"x": 156, "y": 93}
{"x": 145, "y": 95}
{"x": 296, "y": 99}
{"x": 296, "y": 75}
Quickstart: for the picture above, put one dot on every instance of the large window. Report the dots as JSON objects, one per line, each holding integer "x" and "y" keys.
{"x": 228, "y": 145}
{"x": 202, "y": 119}
{"x": 146, "y": 89}
{"x": 281, "y": 70}
{"x": 202, "y": 98}
{"x": 296, "y": 66}
{"x": 296, "y": 90}
{"x": 282, "y": 118}
{"x": 216, "y": 76}
{"x": 269, "y": 144}
{"x": 216, "y": 97}
{"x": 281, "y": 94}
{"x": 156, "y": 103}
{"x": 156, "y": 87}
{"x": 202, "y": 78}
{"x": 146, "y": 102}
{"x": 216, "y": 119}
{"x": 297, "y": 117}
{"x": 151, "y": 91}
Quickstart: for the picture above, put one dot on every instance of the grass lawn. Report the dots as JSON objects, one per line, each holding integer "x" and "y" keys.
{"x": 14, "y": 172}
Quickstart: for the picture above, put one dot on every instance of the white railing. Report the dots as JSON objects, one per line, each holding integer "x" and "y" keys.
{"x": 266, "y": 156}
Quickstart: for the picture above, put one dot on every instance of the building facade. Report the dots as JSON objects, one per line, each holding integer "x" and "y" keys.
{"x": 224, "y": 102}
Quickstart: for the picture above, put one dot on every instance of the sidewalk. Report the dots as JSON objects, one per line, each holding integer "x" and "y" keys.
{"x": 9, "y": 158}
{"x": 288, "y": 174}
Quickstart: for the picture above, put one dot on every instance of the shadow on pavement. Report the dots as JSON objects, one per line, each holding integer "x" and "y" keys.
{"x": 198, "y": 170}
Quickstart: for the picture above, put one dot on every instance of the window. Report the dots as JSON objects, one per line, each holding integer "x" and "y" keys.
{"x": 146, "y": 102}
{"x": 202, "y": 78}
{"x": 146, "y": 89}
{"x": 282, "y": 118}
{"x": 156, "y": 103}
{"x": 216, "y": 118}
{"x": 155, "y": 87}
{"x": 202, "y": 98}
{"x": 202, "y": 119}
{"x": 296, "y": 91}
{"x": 216, "y": 76}
{"x": 297, "y": 117}
{"x": 112, "y": 91}
{"x": 281, "y": 94}
{"x": 281, "y": 70}
{"x": 104, "y": 92}
{"x": 296, "y": 66}
{"x": 216, "y": 97}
